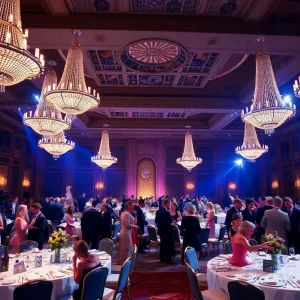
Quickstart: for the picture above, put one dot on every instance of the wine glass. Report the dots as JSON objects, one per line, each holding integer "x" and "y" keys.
{"x": 292, "y": 254}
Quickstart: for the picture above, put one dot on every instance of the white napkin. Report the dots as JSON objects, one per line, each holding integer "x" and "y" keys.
{"x": 33, "y": 276}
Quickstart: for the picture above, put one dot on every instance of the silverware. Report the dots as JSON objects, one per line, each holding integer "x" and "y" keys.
{"x": 48, "y": 276}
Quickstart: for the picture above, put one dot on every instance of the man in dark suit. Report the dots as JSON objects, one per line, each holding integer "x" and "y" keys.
{"x": 39, "y": 229}
{"x": 259, "y": 231}
{"x": 55, "y": 212}
{"x": 141, "y": 222}
{"x": 249, "y": 213}
{"x": 81, "y": 202}
{"x": 106, "y": 222}
{"x": 236, "y": 208}
{"x": 163, "y": 221}
{"x": 11, "y": 208}
{"x": 227, "y": 201}
{"x": 91, "y": 225}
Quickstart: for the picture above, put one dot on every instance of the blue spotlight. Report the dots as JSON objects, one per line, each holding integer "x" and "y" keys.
{"x": 36, "y": 97}
{"x": 239, "y": 162}
{"x": 287, "y": 99}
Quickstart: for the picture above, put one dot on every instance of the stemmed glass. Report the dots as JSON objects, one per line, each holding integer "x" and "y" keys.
{"x": 292, "y": 254}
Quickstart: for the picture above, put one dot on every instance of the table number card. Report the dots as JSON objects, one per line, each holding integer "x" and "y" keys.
{"x": 19, "y": 267}
{"x": 63, "y": 257}
{"x": 268, "y": 266}
{"x": 38, "y": 261}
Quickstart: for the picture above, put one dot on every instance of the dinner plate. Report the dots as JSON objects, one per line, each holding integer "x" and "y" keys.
{"x": 12, "y": 255}
{"x": 58, "y": 275}
{"x": 7, "y": 281}
{"x": 232, "y": 276}
{"x": 271, "y": 282}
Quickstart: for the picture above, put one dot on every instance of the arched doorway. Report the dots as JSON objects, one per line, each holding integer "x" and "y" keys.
{"x": 146, "y": 178}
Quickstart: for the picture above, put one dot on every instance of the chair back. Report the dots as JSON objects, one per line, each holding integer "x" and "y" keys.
{"x": 27, "y": 245}
{"x": 216, "y": 219}
{"x": 227, "y": 247}
{"x": 133, "y": 258}
{"x": 252, "y": 242}
{"x": 2, "y": 250}
{"x": 94, "y": 284}
{"x": 116, "y": 230}
{"x": 106, "y": 245}
{"x": 249, "y": 291}
{"x": 123, "y": 278}
{"x": 34, "y": 290}
{"x": 152, "y": 233}
{"x": 204, "y": 235}
{"x": 193, "y": 283}
{"x": 176, "y": 234}
{"x": 190, "y": 256}
{"x": 222, "y": 233}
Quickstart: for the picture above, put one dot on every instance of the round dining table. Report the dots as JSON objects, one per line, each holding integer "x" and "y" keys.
{"x": 283, "y": 284}
{"x": 60, "y": 274}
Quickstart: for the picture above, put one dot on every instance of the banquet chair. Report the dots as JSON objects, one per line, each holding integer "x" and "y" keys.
{"x": 110, "y": 294}
{"x": 116, "y": 269}
{"x": 178, "y": 240}
{"x": 34, "y": 290}
{"x": 248, "y": 291}
{"x": 204, "y": 235}
{"x": 227, "y": 247}
{"x": 142, "y": 236}
{"x": 203, "y": 295}
{"x": 106, "y": 245}
{"x": 252, "y": 242}
{"x": 12, "y": 232}
{"x": 2, "y": 250}
{"x": 25, "y": 246}
{"x": 218, "y": 241}
{"x": 115, "y": 233}
{"x": 153, "y": 238}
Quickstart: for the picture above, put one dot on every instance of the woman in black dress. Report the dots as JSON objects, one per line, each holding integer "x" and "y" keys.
{"x": 235, "y": 224}
{"x": 190, "y": 229}
{"x": 175, "y": 213}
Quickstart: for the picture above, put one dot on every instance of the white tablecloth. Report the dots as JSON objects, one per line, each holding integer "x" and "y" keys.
{"x": 62, "y": 287}
{"x": 221, "y": 218}
{"x": 77, "y": 230}
{"x": 218, "y": 280}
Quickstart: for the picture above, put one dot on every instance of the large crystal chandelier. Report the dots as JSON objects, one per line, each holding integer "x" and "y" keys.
{"x": 189, "y": 159}
{"x": 268, "y": 110}
{"x": 56, "y": 145}
{"x": 296, "y": 87}
{"x": 72, "y": 96}
{"x": 16, "y": 62}
{"x": 251, "y": 148}
{"x": 47, "y": 120}
{"x": 104, "y": 159}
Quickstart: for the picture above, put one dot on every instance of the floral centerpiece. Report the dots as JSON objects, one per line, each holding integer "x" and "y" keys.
{"x": 217, "y": 207}
{"x": 58, "y": 240}
{"x": 153, "y": 210}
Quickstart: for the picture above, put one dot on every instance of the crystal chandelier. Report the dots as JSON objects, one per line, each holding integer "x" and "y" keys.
{"x": 16, "y": 62}
{"x": 268, "y": 111}
{"x": 251, "y": 148}
{"x": 47, "y": 120}
{"x": 297, "y": 87}
{"x": 56, "y": 145}
{"x": 189, "y": 159}
{"x": 72, "y": 96}
{"x": 104, "y": 159}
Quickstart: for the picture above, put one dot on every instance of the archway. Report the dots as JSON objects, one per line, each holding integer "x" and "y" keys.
{"x": 146, "y": 178}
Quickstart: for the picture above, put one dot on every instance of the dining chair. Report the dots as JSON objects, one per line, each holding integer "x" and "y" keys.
{"x": 115, "y": 233}
{"x": 227, "y": 247}
{"x": 116, "y": 269}
{"x": 2, "y": 250}
{"x": 106, "y": 245}
{"x": 218, "y": 241}
{"x": 153, "y": 238}
{"x": 204, "y": 235}
{"x": 203, "y": 295}
{"x": 252, "y": 242}
{"x": 110, "y": 294}
{"x": 248, "y": 291}
{"x": 34, "y": 290}
{"x": 25, "y": 246}
{"x": 142, "y": 236}
{"x": 178, "y": 239}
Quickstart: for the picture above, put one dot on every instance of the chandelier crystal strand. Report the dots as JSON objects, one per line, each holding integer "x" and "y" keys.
{"x": 72, "y": 96}
{"x": 296, "y": 87}
{"x": 268, "y": 110}
{"x": 47, "y": 120}
{"x": 189, "y": 159}
{"x": 56, "y": 145}
{"x": 16, "y": 62}
{"x": 251, "y": 148}
{"x": 104, "y": 159}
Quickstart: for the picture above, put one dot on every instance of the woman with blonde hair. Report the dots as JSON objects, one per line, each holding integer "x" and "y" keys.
{"x": 21, "y": 225}
{"x": 210, "y": 220}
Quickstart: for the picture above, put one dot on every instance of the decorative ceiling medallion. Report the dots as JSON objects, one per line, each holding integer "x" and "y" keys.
{"x": 145, "y": 173}
{"x": 153, "y": 56}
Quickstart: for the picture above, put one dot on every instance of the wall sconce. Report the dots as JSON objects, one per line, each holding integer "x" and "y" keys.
{"x": 232, "y": 186}
{"x": 26, "y": 183}
{"x": 190, "y": 186}
{"x": 275, "y": 184}
{"x": 3, "y": 182}
{"x": 99, "y": 186}
{"x": 297, "y": 184}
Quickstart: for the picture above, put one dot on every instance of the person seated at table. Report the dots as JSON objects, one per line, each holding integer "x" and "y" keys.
{"x": 210, "y": 220}
{"x": 175, "y": 213}
{"x": 87, "y": 263}
{"x": 235, "y": 224}
{"x": 88, "y": 205}
{"x": 70, "y": 220}
{"x": 241, "y": 246}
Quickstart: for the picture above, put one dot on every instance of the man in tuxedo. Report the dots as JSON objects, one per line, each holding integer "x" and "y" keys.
{"x": 81, "y": 202}
{"x": 106, "y": 222}
{"x": 163, "y": 221}
{"x": 91, "y": 225}
{"x": 276, "y": 220}
{"x": 38, "y": 231}
{"x": 55, "y": 212}
{"x": 12, "y": 207}
{"x": 235, "y": 209}
{"x": 141, "y": 222}
{"x": 259, "y": 231}
{"x": 249, "y": 213}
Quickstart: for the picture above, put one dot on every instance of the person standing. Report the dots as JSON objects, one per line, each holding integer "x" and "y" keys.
{"x": 163, "y": 221}
{"x": 235, "y": 209}
{"x": 141, "y": 222}
{"x": 70, "y": 220}
{"x": 91, "y": 226}
{"x": 210, "y": 220}
{"x": 259, "y": 231}
{"x": 39, "y": 229}
{"x": 249, "y": 213}
{"x": 56, "y": 212}
{"x": 227, "y": 201}
{"x": 81, "y": 202}
{"x": 12, "y": 207}
{"x": 106, "y": 224}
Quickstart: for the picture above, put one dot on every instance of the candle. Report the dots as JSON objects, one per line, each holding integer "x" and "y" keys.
{"x": 26, "y": 33}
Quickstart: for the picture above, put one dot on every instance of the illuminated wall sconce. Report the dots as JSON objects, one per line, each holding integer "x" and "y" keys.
{"x": 26, "y": 183}
{"x": 99, "y": 186}
{"x": 297, "y": 184}
{"x": 190, "y": 186}
{"x": 275, "y": 184}
{"x": 3, "y": 182}
{"x": 232, "y": 186}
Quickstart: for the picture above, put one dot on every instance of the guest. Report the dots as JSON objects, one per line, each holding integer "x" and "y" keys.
{"x": 1, "y": 227}
{"x": 12, "y": 207}
{"x": 141, "y": 222}
{"x": 154, "y": 203}
{"x": 45, "y": 206}
{"x": 210, "y": 220}
{"x": 196, "y": 202}
{"x": 236, "y": 208}
{"x": 21, "y": 226}
{"x": 91, "y": 226}
{"x": 249, "y": 213}
{"x": 163, "y": 221}
{"x": 81, "y": 202}
{"x": 3, "y": 232}
{"x": 87, "y": 263}
{"x": 106, "y": 223}
{"x": 235, "y": 224}
{"x": 276, "y": 220}
{"x": 241, "y": 246}
{"x": 190, "y": 228}
{"x": 39, "y": 229}
{"x": 88, "y": 204}
{"x": 175, "y": 213}
{"x": 125, "y": 237}
{"x": 70, "y": 220}
{"x": 56, "y": 212}
{"x": 227, "y": 201}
